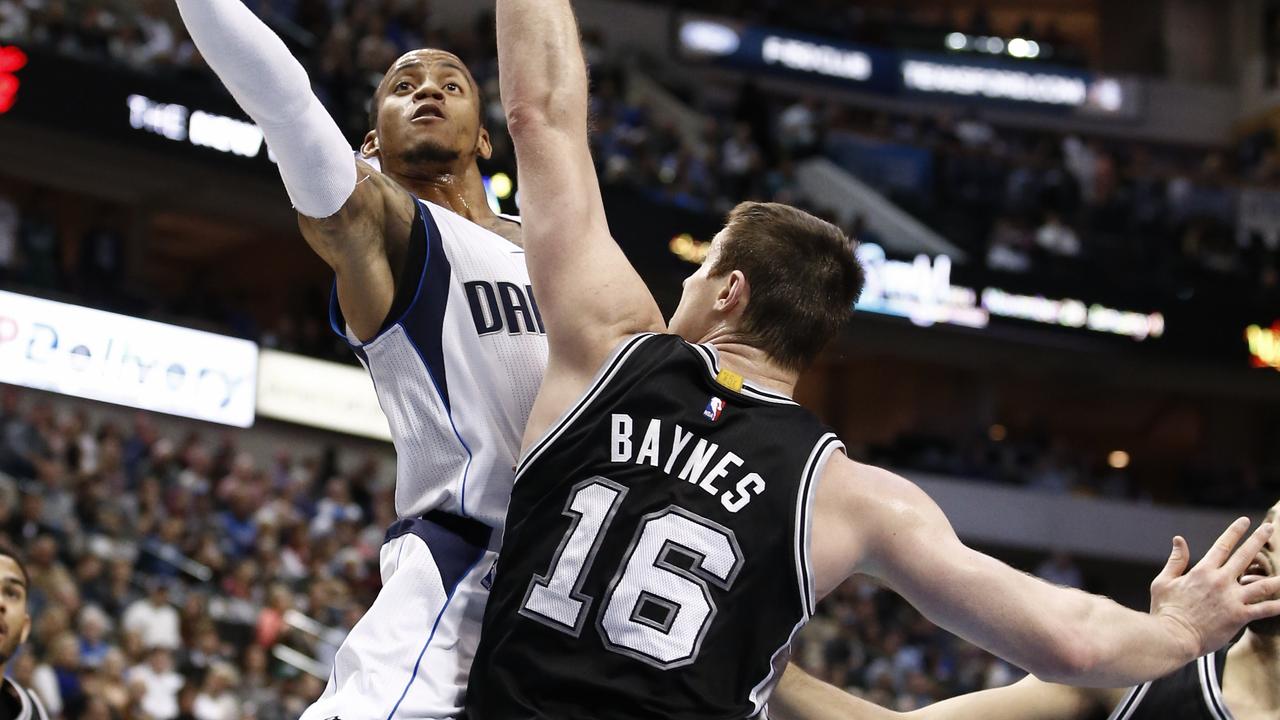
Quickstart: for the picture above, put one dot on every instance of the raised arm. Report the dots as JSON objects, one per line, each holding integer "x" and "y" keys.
{"x": 871, "y": 521}
{"x": 346, "y": 209}
{"x": 589, "y": 294}
{"x": 801, "y": 696}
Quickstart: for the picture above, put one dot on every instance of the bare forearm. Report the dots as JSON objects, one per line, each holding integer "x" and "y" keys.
{"x": 543, "y": 76}
{"x": 1121, "y": 646}
{"x": 1063, "y": 635}
{"x": 800, "y": 696}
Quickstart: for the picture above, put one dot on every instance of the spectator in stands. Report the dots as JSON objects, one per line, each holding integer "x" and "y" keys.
{"x": 1057, "y": 238}
{"x": 14, "y": 20}
{"x": 153, "y": 618}
{"x": 58, "y": 681}
{"x": 156, "y": 684}
{"x": 798, "y": 128}
{"x": 38, "y": 241}
{"x": 10, "y": 218}
{"x": 94, "y": 626}
{"x": 217, "y": 699}
{"x": 1009, "y": 247}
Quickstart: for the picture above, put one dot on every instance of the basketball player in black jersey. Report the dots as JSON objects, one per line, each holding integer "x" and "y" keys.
{"x": 675, "y": 516}
{"x": 16, "y": 702}
{"x": 1238, "y": 682}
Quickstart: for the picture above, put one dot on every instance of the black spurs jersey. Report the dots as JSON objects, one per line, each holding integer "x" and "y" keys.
{"x": 1192, "y": 693}
{"x": 655, "y": 561}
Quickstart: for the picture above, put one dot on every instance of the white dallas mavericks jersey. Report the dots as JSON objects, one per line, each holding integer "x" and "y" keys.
{"x": 457, "y": 370}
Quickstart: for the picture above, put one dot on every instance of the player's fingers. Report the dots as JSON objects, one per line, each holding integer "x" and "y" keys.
{"x": 1264, "y": 610}
{"x": 1248, "y": 550}
{"x": 1179, "y": 557}
{"x": 1262, "y": 590}
{"x": 1225, "y": 543}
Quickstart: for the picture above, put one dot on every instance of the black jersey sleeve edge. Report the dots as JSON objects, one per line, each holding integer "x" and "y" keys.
{"x": 813, "y": 468}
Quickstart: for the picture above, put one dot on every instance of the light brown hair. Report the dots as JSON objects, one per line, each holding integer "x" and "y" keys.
{"x": 803, "y": 276}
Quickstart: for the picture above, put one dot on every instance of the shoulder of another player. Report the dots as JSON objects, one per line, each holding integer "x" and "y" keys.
{"x": 867, "y": 487}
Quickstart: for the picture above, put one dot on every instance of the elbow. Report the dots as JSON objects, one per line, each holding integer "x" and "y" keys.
{"x": 1073, "y": 659}
{"x": 528, "y": 117}
{"x": 547, "y": 111}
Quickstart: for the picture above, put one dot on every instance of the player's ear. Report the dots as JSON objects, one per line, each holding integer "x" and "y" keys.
{"x": 26, "y": 630}
{"x": 484, "y": 145}
{"x": 734, "y": 293}
{"x": 370, "y": 147}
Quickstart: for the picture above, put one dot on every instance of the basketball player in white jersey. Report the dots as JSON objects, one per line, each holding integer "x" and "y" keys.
{"x": 600, "y": 611}
{"x": 433, "y": 295}
{"x": 1238, "y": 682}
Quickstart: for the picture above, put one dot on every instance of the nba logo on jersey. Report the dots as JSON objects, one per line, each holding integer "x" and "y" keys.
{"x": 714, "y": 408}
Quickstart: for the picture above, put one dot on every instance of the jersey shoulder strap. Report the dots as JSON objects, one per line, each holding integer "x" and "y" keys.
{"x": 626, "y": 355}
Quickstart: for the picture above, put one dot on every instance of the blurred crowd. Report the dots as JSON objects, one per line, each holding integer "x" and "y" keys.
{"x": 1153, "y": 221}
{"x": 1159, "y": 220}
{"x": 1039, "y": 460}
{"x": 175, "y": 574}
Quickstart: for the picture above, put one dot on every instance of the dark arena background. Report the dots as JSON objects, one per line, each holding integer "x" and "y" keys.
{"x": 1069, "y": 213}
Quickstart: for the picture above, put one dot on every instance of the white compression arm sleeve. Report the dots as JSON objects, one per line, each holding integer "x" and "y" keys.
{"x": 315, "y": 160}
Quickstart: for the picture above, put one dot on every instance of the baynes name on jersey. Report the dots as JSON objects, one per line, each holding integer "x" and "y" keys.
{"x": 705, "y": 464}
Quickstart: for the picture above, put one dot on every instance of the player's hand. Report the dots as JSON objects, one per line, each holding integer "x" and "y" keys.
{"x": 1207, "y": 605}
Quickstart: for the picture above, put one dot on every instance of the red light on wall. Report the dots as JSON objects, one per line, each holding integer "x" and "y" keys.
{"x": 12, "y": 59}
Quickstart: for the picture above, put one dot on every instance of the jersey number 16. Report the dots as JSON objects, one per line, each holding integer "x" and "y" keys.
{"x": 658, "y": 605}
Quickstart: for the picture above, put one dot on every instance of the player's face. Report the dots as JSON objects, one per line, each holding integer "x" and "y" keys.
{"x": 428, "y": 114}
{"x": 1266, "y": 564}
{"x": 696, "y": 315}
{"x": 14, "y": 621}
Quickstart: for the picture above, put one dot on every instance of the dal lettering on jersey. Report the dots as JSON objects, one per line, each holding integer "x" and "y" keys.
{"x": 503, "y": 306}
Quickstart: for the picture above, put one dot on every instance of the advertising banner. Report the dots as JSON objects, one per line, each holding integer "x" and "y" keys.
{"x": 320, "y": 394}
{"x": 125, "y": 360}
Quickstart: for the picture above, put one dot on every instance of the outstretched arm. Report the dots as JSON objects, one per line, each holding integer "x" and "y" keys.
{"x": 871, "y": 521}
{"x": 801, "y": 696}
{"x": 346, "y": 209}
{"x": 590, "y": 296}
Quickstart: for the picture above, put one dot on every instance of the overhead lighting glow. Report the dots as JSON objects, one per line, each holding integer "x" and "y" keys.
{"x": 712, "y": 38}
{"x": 1264, "y": 345}
{"x": 957, "y": 41}
{"x": 1118, "y": 459}
{"x": 502, "y": 185}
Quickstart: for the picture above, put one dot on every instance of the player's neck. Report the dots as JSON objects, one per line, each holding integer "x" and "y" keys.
{"x": 459, "y": 188}
{"x": 753, "y": 364}
{"x": 1253, "y": 671}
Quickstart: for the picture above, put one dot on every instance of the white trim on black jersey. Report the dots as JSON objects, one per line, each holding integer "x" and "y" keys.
{"x": 822, "y": 450}
{"x": 1131, "y": 702}
{"x": 1208, "y": 667}
{"x": 1210, "y": 693}
{"x": 31, "y": 708}
{"x": 818, "y": 457}
{"x": 606, "y": 372}
{"x": 711, "y": 357}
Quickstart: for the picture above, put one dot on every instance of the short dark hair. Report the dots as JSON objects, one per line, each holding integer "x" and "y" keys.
{"x": 375, "y": 102}
{"x": 803, "y": 276}
{"x": 7, "y": 550}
